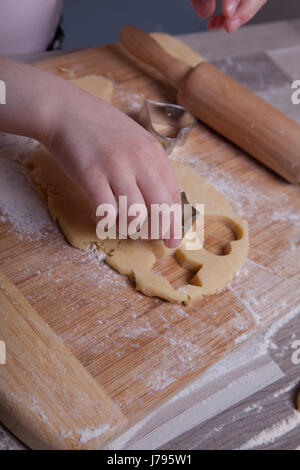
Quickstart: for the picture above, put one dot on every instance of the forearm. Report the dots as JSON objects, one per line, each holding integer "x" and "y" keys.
{"x": 102, "y": 150}
{"x": 32, "y": 100}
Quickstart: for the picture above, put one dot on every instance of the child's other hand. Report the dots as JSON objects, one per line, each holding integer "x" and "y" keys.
{"x": 235, "y": 12}
{"x": 109, "y": 155}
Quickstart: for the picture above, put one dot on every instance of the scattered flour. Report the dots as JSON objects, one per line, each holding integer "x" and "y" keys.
{"x": 276, "y": 326}
{"x": 19, "y": 202}
{"x": 130, "y": 101}
{"x": 254, "y": 407}
{"x": 249, "y": 197}
{"x": 135, "y": 331}
{"x": 160, "y": 380}
{"x": 87, "y": 434}
{"x": 269, "y": 435}
{"x": 22, "y": 208}
{"x": 286, "y": 389}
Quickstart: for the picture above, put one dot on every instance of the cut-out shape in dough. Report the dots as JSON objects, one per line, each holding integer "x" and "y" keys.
{"x": 70, "y": 208}
{"x": 214, "y": 272}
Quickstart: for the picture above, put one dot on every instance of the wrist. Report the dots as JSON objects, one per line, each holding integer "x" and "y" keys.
{"x": 49, "y": 109}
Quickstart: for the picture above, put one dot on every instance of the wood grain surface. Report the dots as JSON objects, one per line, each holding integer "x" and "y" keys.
{"x": 42, "y": 383}
{"x": 141, "y": 350}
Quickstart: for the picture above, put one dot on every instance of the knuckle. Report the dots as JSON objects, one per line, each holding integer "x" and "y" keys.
{"x": 86, "y": 169}
{"x": 115, "y": 166}
{"x": 153, "y": 147}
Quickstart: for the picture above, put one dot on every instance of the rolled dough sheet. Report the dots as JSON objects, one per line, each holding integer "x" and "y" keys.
{"x": 71, "y": 210}
{"x": 96, "y": 85}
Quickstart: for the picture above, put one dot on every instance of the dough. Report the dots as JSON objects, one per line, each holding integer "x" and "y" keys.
{"x": 96, "y": 85}
{"x": 70, "y": 208}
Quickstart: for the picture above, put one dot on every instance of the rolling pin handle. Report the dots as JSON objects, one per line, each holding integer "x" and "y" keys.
{"x": 144, "y": 48}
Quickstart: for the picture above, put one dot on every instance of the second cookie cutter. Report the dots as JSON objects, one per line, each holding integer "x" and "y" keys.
{"x": 169, "y": 123}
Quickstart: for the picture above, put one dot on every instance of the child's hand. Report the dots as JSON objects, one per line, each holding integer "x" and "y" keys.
{"x": 109, "y": 155}
{"x": 101, "y": 149}
{"x": 235, "y": 12}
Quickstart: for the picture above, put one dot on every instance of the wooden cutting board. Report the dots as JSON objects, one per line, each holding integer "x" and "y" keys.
{"x": 87, "y": 356}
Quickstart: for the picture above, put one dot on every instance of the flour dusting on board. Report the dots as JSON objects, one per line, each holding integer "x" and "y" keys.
{"x": 87, "y": 434}
{"x": 269, "y": 435}
{"x": 131, "y": 102}
{"x": 251, "y": 294}
{"x": 248, "y": 198}
{"x": 19, "y": 202}
{"x": 254, "y": 286}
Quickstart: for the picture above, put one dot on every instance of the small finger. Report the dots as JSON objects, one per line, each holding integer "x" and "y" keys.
{"x": 246, "y": 10}
{"x": 127, "y": 186}
{"x": 155, "y": 191}
{"x": 204, "y": 8}
{"x": 217, "y": 22}
{"x": 169, "y": 179}
{"x": 98, "y": 191}
{"x": 172, "y": 242}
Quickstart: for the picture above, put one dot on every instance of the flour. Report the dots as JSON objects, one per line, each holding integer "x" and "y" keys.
{"x": 286, "y": 389}
{"x": 267, "y": 289}
{"x": 253, "y": 291}
{"x": 249, "y": 197}
{"x": 269, "y": 435}
{"x": 256, "y": 349}
{"x": 136, "y": 331}
{"x": 20, "y": 204}
{"x": 276, "y": 326}
{"x": 87, "y": 434}
{"x": 132, "y": 102}
{"x": 254, "y": 407}
{"x": 160, "y": 380}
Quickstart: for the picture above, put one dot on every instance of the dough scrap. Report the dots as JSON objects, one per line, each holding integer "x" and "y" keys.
{"x": 71, "y": 210}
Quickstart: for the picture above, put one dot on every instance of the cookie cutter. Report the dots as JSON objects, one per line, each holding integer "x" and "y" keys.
{"x": 187, "y": 224}
{"x": 169, "y": 123}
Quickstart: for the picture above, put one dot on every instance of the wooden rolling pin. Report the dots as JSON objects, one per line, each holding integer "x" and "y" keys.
{"x": 225, "y": 105}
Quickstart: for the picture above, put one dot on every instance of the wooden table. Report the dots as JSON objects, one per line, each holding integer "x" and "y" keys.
{"x": 270, "y": 55}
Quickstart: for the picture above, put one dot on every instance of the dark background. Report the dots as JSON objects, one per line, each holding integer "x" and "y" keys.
{"x": 92, "y": 22}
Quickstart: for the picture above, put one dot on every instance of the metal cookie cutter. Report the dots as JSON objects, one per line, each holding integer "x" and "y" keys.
{"x": 169, "y": 123}
{"x": 186, "y": 224}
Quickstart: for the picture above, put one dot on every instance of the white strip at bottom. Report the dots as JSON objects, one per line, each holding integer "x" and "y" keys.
{"x": 213, "y": 392}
